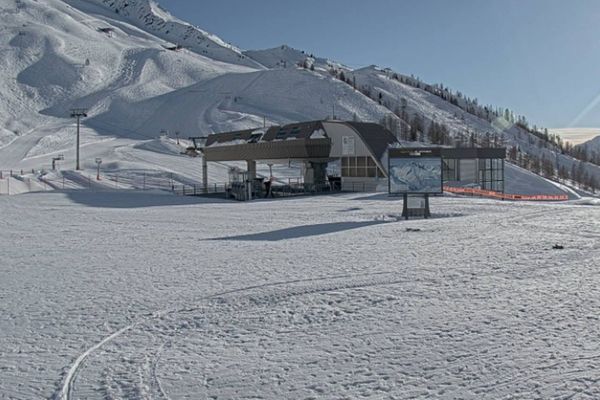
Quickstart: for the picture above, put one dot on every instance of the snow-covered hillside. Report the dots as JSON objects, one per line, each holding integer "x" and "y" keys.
{"x": 592, "y": 147}
{"x": 141, "y": 72}
{"x": 116, "y": 58}
{"x": 288, "y": 57}
{"x": 55, "y": 56}
{"x": 400, "y": 97}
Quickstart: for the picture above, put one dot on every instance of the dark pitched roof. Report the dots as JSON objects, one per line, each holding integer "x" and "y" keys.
{"x": 309, "y": 149}
{"x": 224, "y": 137}
{"x": 298, "y": 130}
{"x": 375, "y": 136}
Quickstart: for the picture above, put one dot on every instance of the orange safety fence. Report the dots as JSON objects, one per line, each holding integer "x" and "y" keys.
{"x": 505, "y": 196}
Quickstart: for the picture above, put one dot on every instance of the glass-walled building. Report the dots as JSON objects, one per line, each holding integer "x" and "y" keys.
{"x": 480, "y": 167}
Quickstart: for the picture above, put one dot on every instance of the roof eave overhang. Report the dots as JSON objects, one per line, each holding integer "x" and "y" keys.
{"x": 296, "y": 149}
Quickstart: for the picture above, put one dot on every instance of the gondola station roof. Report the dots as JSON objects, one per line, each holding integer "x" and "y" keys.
{"x": 310, "y": 140}
{"x": 296, "y": 141}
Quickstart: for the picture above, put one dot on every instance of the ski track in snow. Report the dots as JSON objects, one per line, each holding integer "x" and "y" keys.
{"x": 65, "y": 392}
{"x": 67, "y": 387}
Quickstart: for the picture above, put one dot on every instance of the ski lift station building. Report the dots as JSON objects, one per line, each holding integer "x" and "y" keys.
{"x": 354, "y": 153}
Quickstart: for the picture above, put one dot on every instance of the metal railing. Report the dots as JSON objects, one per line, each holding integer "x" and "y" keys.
{"x": 31, "y": 181}
{"x": 199, "y": 189}
{"x": 15, "y": 172}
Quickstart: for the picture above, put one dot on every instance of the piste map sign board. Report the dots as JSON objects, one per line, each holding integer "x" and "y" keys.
{"x": 415, "y": 171}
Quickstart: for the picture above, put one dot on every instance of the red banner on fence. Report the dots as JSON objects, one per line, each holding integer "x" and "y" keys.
{"x": 505, "y": 196}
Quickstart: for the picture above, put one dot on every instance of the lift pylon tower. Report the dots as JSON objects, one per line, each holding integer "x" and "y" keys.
{"x": 78, "y": 113}
{"x": 199, "y": 143}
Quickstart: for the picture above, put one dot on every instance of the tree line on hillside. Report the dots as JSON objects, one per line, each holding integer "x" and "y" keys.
{"x": 545, "y": 140}
{"x": 552, "y": 167}
{"x": 415, "y": 127}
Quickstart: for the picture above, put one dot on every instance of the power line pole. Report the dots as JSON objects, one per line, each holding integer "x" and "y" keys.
{"x": 78, "y": 113}
{"x": 98, "y": 162}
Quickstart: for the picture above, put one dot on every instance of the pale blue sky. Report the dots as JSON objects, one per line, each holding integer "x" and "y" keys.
{"x": 539, "y": 57}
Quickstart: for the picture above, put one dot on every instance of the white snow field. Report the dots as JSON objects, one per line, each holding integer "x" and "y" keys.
{"x": 131, "y": 295}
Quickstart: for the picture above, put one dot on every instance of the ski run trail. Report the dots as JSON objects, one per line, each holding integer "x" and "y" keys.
{"x": 143, "y": 295}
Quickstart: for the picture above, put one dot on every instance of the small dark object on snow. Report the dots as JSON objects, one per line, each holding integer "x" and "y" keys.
{"x": 558, "y": 247}
{"x": 413, "y": 230}
{"x": 176, "y": 47}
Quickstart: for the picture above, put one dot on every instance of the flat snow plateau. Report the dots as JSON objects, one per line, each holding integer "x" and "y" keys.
{"x": 145, "y": 295}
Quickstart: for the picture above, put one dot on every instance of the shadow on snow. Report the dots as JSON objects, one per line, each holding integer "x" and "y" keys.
{"x": 302, "y": 231}
{"x": 135, "y": 199}
{"x": 379, "y": 197}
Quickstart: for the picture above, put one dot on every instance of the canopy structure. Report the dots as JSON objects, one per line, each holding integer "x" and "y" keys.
{"x": 351, "y": 151}
{"x": 294, "y": 149}
{"x": 305, "y": 142}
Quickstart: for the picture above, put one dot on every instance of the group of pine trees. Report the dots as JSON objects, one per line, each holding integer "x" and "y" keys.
{"x": 417, "y": 128}
{"x": 551, "y": 166}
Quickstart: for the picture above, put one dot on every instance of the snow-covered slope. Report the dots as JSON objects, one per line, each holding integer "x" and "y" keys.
{"x": 592, "y": 147}
{"x": 237, "y": 101}
{"x": 288, "y": 57}
{"x": 55, "y": 56}
{"x": 149, "y": 16}
{"x": 395, "y": 95}
{"x": 112, "y": 58}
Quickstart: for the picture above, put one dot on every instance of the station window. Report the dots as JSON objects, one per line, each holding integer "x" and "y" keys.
{"x": 360, "y": 167}
{"x": 281, "y": 134}
{"x": 491, "y": 174}
{"x": 449, "y": 169}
